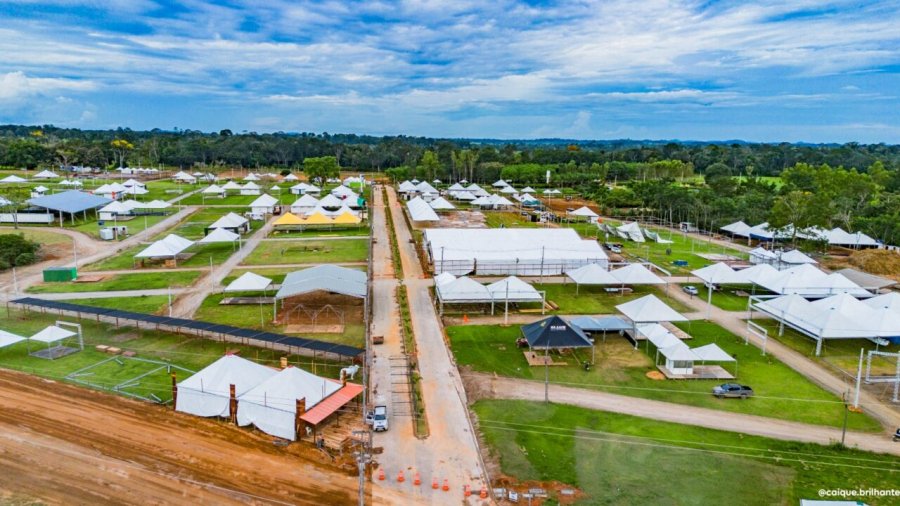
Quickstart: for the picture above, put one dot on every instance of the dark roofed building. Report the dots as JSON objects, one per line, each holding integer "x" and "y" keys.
{"x": 554, "y": 332}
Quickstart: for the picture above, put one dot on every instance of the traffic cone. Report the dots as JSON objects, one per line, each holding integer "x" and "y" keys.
{"x": 400, "y": 478}
{"x": 381, "y": 474}
{"x": 467, "y": 490}
{"x": 416, "y": 479}
{"x": 483, "y": 493}
{"x": 434, "y": 484}
{"x": 446, "y": 486}
{"x": 465, "y": 318}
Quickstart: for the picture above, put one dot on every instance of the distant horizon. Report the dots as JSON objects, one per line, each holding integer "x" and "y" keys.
{"x": 764, "y": 72}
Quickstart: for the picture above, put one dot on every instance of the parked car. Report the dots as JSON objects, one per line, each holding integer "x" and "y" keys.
{"x": 691, "y": 290}
{"x": 732, "y": 390}
{"x": 377, "y": 418}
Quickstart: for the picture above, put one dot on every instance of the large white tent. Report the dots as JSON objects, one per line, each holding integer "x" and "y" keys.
{"x": 636, "y": 274}
{"x": 591, "y": 274}
{"x": 441, "y": 204}
{"x": 168, "y": 247}
{"x": 649, "y": 309}
{"x": 272, "y": 405}
{"x": 631, "y": 231}
{"x": 9, "y": 339}
{"x": 808, "y": 281}
{"x": 584, "y": 212}
{"x": 220, "y": 235}
{"x": 795, "y": 257}
{"x": 737, "y": 228}
{"x": 762, "y": 255}
{"x": 513, "y": 289}
{"x": 231, "y": 221}
{"x": 208, "y": 392}
{"x": 304, "y": 204}
{"x": 518, "y": 251}
{"x": 13, "y": 179}
{"x": 249, "y": 282}
{"x": 419, "y": 210}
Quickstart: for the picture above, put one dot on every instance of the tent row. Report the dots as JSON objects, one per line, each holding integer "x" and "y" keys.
{"x": 465, "y": 290}
{"x": 280, "y": 403}
{"x": 52, "y": 335}
{"x": 172, "y": 245}
{"x": 116, "y": 209}
{"x": 804, "y": 280}
{"x": 840, "y": 316}
{"x": 598, "y": 275}
{"x": 633, "y": 232}
{"x": 308, "y": 204}
{"x": 316, "y": 218}
{"x": 834, "y": 237}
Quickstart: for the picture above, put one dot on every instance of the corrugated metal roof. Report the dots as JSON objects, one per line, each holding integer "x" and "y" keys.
{"x": 332, "y": 403}
{"x": 72, "y": 201}
{"x": 329, "y": 278}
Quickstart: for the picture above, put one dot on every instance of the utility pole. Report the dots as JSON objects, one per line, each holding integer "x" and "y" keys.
{"x": 846, "y": 412}
{"x": 363, "y": 458}
{"x": 858, "y": 378}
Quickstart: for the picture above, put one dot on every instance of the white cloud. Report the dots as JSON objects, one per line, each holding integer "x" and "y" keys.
{"x": 15, "y": 86}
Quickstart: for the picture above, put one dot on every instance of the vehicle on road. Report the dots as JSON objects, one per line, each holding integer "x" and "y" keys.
{"x": 691, "y": 290}
{"x": 732, "y": 390}
{"x": 614, "y": 247}
{"x": 897, "y": 435}
{"x": 378, "y": 418}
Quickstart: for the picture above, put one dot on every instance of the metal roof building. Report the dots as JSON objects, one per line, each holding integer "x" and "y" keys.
{"x": 326, "y": 277}
{"x": 69, "y": 202}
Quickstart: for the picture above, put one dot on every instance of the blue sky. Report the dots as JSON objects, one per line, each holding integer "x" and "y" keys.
{"x": 654, "y": 69}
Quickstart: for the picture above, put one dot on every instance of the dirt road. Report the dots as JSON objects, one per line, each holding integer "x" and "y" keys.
{"x": 68, "y": 445}
{"x": 488, "y": 386}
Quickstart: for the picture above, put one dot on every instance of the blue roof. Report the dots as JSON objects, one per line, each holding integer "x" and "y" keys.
{"x": 71, "y": 201}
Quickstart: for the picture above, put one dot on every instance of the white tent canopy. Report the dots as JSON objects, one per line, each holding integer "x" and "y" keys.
{"x": 441, "y": 204}
{"x": 264, "y": 201}
{"x": 9, "y": 339}
{"x": 712, "y": 353}
{"x": 153, "y": 204}
{"x": 13, "y": 179}
{"x": 419, "y": 210}
{"x": 207, "y": 393}
{"x": 406, "y": 187}
{"x": 808, "y": 281}
{"x": 219, "y": 235}
{"x": 230, "y": 220}
{"x": 636, "y": 274}
{"x": 463, "y": 289}
{"x": 660, "y": 336}
{"x": 592, "y": 274}
{"x": 717, "y": 273}
{"x": 456, "y": 187}
{"x": 514, "y": 289}
{"x": 649, "y": 309}
{"x": 249, "y": 282}
{"x": 52, "y": 334}
{"x": 169, "y": 246}
{"x": 500, "y": 183}
{"x": 631, "y": 231}
{"x": 796, "y": 257}
{"x": 45, "y": 174}
{"x": 737, "y": 228}
{"x": 272, "y": 405}
{"x": 584, "y": 212}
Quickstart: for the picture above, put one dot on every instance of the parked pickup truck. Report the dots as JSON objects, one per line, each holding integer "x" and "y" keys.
{"x": 732, "y": 390}
{"x": 378, "y": 418}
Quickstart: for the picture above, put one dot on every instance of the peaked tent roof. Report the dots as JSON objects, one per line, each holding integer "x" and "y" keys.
{"x": 712, "y": 353}
{"x": 71, "y": 201}
{"x": 13, "y": 179}
{"x": 636, "y": 274}
{"x": 441, "y": 204}
{"x": 326, "y": 277}
{"x": 406, "y": 186}
{"x": 649, "y": 309}
{"x": 264, "y": 200}
{"x": 424, "y": 187}
{"x": 207, "y": 392}
{"x": 52, "y": 334}
{"x": 249, "y": 282}
{"x": 250, "y": 186}
{"x": 736, "y": 228}
{"x": 715, "y": 273}
{"x": 796, "y": 256}
{"x": 116, "y": 207}
{"x": 889, "y": 301}
{"x": 8, "y": 339}
{"x": 632, "y": 231}
{"x": 419, "y": 210}
{"x": 679, "y": 352}
{"x": 456, "y": 187}
{"x": 288, "y": 219}
{"x": 443, "y": 278}
{"x": 763, "y": 253}
{"x": 514, "y": 289}
{"x": 528, "y": 189}
{"x": 660, "y": 336}
{"x": 291, "y": 177}
{"x": 330, "y": 200}
{"x": 508, "y": 190}
{"x": 230, "y": 220}
{"x": 500, "y": 183}
{"x": 231, "y": 185}
{"x": 592, "y": 274}
{"x": 463, "y": 289}
{"x": 755, "y": 274}
{"x": 153, "y": 204}
{"x": 252, "y": 177}
{"x": 317, "y": 217}
{"x": 306, "y": 200}
{"x": 554, "y": 332}
{"x": 600, "y": 323}
{"x": 169, "y": 246}
{"x": 347, "y": 217}
{"x": 45, "y": 174}
{"x": 584, "y": 211}
{"x": 219, "y": 235}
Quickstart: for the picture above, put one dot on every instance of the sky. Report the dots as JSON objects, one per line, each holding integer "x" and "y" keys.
{"x": 770, "y": 71}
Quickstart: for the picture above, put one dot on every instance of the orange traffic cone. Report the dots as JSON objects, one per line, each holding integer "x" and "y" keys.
{"x": 381, "y": 474}
{"x": 434, "y": 484}
{"x": 446, "y": 486}
{"x": 483, "y": 493}
{"x": 467, "y": 490}
{"x": 400, "y": 478}
{"x": 465, "y": 318}
{"x": 417, "y": 480}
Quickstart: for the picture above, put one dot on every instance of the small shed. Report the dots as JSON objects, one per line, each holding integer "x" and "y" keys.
{"x": 60, "y": 274}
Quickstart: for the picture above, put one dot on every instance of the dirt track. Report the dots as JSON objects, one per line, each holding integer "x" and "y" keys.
{"x": 67, "y": 445}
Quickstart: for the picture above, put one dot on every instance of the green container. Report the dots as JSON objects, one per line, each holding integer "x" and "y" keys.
{"x": 60, "y": 274}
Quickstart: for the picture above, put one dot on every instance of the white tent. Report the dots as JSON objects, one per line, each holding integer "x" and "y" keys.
{"x": 168, "y": 247}
{"x": 808, "y": 281}
{"x": 463, "y": 195}
{"x": 552, "y": 192}
{"x": 45, "y": 174}
{"x": 840, "y": 237}
{"x": 456, "y": 187}
{"x": 406, "y": 187}
{"x": 305, "y": 203}
{"x": 264, "y": 204}
{"x": 737, "y": 228}
{"x": 679, "y": 358}
{"x": 184, "y": 177}
{"x": 636, "y": 274}
{"x": 52, "y": 334}
{"x": 591, "y": 274}
{"x": 514, "y": 289}
{"x": 113, "y": 209}
{"x": 153, "y": 204}
{"x": 231, "y": 185}
{"x": 250, "y": 188}
{"x": 463, "y": 289}
{"x": 252, "y": 177}
{"x": 712, "y": 353}
{"x": 796, "y": 257}
{"x": 649, "y": 309}
{"x": 291, "y": 177}
{"x": 331, "y": 200}
{"x": 425, "y": 188}
{"x": 441, "y": 204}
{"x": 660, "y": 336}
{"x": 13, "y": 179}
{"x": 716, "y": 274}
{"x": 631, "y": 231}
{"x": 219, "y": 235}
{"x": 509, "y": 190}
{"x": 500, "y": 183}
{"x": 761, "y": 255}
{"x": 231, "y": 221}
{"x": 343, "y": 191}
{"x": 272, "y": 405}
{"x": 889, "y": 301}
{"x": 443, "y": 278}
{"x": 73, "y": 182}
{"x": 207, "y": 393}
{"x": 584, "y": 212}
{"x": 249, "y": 282}
{"x": 528, "y": 189}
{"x": 135, "y": 190}
{"x": 419, "y": 210}
{"x": 275, "y": 188}
{"x": 9, "y": 339}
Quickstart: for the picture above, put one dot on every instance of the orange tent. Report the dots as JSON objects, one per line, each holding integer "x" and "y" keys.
{"x": 347, "y": 218}
{"x": 288, "y": 219}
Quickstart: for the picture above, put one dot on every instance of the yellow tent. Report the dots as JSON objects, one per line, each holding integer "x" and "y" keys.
{"x": 317, "y": 218}
{"x": 288, "y": 219}
{"x": 347, "y": 218}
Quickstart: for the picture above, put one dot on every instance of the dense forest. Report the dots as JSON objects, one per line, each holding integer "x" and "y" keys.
{"x": 854, "y": 186}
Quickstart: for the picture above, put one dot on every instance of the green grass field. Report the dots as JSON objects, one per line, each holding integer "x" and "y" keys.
{"x": 497, "y": 219}
{"x": 780, "y": 391}
{"x": 185, "y": 351}
{"x": 354, "y": 231}
{"x": 624, "y": 460}
{"x": 285, "y": 198}
{"x": 144, "y": 304}
{"x": 297, "y": 252}
{"x": 45, "y": 237}
{"x": 200, "y": 258}
{"x": 595, "y": 300}
{"x": 725, "y": 298}
{"x": 137, "y": 224}
{"x": 194, "y": 226}
{"x": 139, "y": 281}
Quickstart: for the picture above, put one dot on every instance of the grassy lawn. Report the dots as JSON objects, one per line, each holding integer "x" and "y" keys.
{"x": 260, "y": 317}
{"x": 193, "y": 226}
{"x": 497, "y": 219}
{"x": 621, "y": 369}
{"x": 144, "y": 304}
{"x": 139, "y": 281}
{"x": 725, "y": 298}
{"x": 595, "y": 300}
{"x": 45, "y": 237}
{"x": 288, "y": 252}
{"x": 237, "y": 200}
{"x": 623, "y": 460}
{"x": 137, "y": 224}
{"x": 185, "y": 351}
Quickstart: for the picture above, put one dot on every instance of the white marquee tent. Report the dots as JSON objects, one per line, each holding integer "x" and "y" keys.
{"x": 168, "y": 247}
{"x": 207, "y": 393}
{"x": 249, "y": 282}
{"x": 419, "y": 210}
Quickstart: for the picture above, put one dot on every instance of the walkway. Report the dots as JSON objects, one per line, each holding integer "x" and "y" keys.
{"x": 514, "y": 388}
{"x": 451, "y": 450}
{"x": 108, "y": 294}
